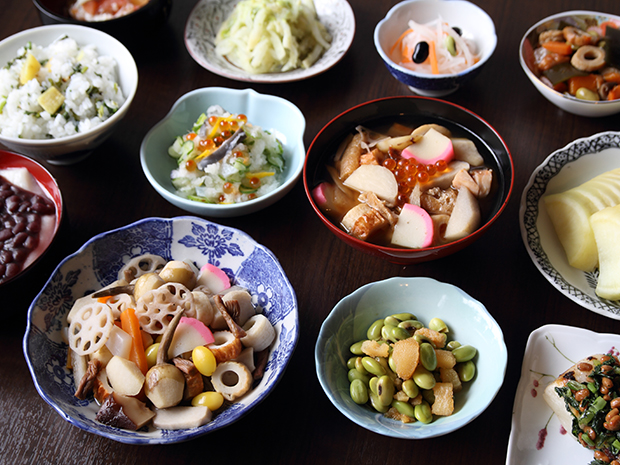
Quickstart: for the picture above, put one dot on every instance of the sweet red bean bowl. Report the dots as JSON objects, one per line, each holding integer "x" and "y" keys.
{"x": 31, "y": 218}
{"x": 412, "y": 110}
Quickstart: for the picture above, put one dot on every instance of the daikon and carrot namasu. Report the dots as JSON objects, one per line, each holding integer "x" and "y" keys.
{"x": 434, "y": 48}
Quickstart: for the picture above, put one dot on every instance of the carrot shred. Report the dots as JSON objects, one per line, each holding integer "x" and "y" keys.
{"x": 103, "y": 300}
{"x": 130, "y": 324}
{"x": 561, "y": 48}
{"x": 433, "y": 57}
{"x": 399, "y": 40}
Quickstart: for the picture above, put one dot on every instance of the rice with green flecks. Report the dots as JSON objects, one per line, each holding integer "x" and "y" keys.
{"x": 86, "y": 80}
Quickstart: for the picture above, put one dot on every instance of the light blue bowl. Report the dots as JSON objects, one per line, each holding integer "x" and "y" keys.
{"x": 469, "y": 323}
{"x": 274, "y": 114}
{"x": 475, "y": 23}
{"x": 97, "y": 263}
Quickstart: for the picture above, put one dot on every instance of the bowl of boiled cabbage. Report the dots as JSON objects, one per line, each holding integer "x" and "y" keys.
{"x": 408, "y": 179}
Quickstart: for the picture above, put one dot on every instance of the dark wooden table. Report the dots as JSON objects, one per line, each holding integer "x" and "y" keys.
{"x": 297, "y": 423}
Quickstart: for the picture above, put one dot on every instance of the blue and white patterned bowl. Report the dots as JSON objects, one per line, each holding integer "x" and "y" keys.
{"x": 469, "y": 323}
{"x": 475, "y": 23}
{"x": 97, "y": 263}
{"x": 568, "y": 167}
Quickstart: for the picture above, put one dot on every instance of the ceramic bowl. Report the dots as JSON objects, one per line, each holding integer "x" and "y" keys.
{"x": 468, "y": 321}
{"x": 564, "y": 100}
{"x": 475, "y": 24}
{"x": 566, "y": 168}
{"x": 97, "y": 263}
{"x": 271, "y": 113}
{"x": 46, "y": 186}
{"x": 137, "y": 27}
{"x": 411, "y": 110}
{"x": 71, "y": 149}
{"x": 208, "y": 15}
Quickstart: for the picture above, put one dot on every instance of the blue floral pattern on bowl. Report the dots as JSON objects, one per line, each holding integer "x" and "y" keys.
{"x": 97, "y": 264}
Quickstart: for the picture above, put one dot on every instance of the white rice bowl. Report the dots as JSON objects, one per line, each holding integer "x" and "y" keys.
{"x": 86, "y": 79}
{"x": 90, "y": 134}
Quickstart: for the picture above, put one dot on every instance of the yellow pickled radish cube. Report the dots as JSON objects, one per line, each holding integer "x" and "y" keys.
{"x": 51, "y": 100}
{"x": 29, "y": 70}
{"x": 606, "y": 225}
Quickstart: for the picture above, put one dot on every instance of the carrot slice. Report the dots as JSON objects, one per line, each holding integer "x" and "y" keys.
{"x": 399, "y": 40}
{"x": 130, "y": 324}
{"x": 614, "y": 94}
{"x": 605, "y": 24}
{"x": 591, "y": 82}
{"x": 433, "y": 57}
{"x": 561, "y": 48}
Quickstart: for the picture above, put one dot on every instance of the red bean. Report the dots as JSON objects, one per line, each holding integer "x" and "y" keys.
{"x": 20, "y": 217}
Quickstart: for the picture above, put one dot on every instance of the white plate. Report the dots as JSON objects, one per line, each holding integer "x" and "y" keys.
{"x": 565, "y": 168}
{"x": 205, "y": 19}
{"x": 550, "y": 350}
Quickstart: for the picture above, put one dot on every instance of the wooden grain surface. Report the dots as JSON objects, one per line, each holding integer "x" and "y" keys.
{"x": 297, "y": 423}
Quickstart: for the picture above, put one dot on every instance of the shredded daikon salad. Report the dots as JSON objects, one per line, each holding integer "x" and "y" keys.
{"x": 270, "y": 36}
{"x": 434, "y": 48}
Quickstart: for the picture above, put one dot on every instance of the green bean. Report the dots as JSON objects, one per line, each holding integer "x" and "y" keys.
{"x": 429, "y": 396}
{"x": 372, "y": 366}
{"x": 385, "y": 332}
{"x": 391, "y": 363}
{"x": 356, "y": 349}
{"x": 372, "y": 384}
{"x": 385, "y": 390}
{"x": 437, "y": 324}
{"x": 404, "y": 408}
{"x": 464, "y": 353}
{"x": 410, "y": 388}
{"x": 351, "y": 363}
{"x": 450, "y": 45}
{"x": 423, "y": 413}
{"x": 374, "y": 332}
{"x": 423, "y": 378}
{"x": 356, "y": 374}
{"x": 466, "y": 370}
{"x": 376, "y": 404}
{"x": 404, "y": 316}
{"x": 359, "y": 366}
{"x": 411, "y": 324}
{"x": 453, "y": 345}
{"x": 398, "y": 334}
{"x": 428, "y": 356}
{"x": 391, "y": 321}
{"x": 359, "y": 392}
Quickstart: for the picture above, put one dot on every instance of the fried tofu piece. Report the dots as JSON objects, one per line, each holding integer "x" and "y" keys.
{"x": 449, "y": 375}
{"x": 406, "y": 355}
{"x": 444, "y": 399}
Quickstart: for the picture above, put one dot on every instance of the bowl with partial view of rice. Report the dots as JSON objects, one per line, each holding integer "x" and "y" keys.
{"x": 64, "y": 90}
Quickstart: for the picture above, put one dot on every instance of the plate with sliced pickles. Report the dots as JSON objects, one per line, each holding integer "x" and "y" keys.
{"x": 566, "y": 168}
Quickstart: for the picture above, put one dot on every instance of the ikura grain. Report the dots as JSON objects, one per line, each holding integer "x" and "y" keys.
{"x": 21, "y": 218}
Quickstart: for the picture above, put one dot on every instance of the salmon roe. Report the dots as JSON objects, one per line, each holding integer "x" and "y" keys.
{"x": 408, "y": 172}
